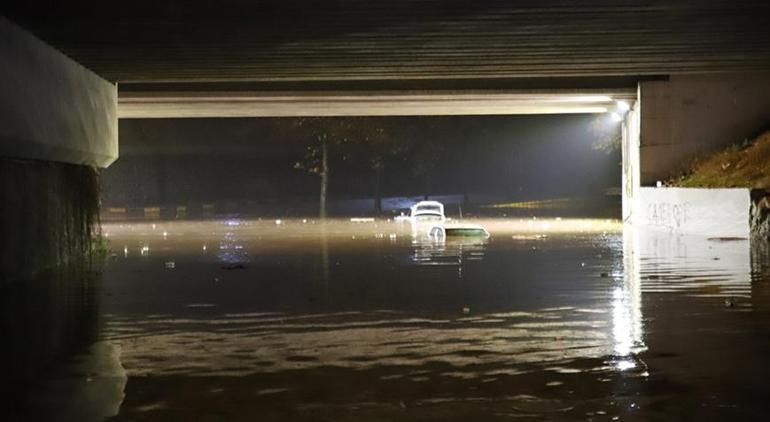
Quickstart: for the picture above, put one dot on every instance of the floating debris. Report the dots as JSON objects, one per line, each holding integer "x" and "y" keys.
{"x": 529, "y": 237}
{"x": 726, "y": 239}
{"x": 534, "y": 405}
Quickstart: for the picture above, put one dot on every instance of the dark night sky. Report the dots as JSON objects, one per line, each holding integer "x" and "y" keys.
{"x": 509, "y": 157}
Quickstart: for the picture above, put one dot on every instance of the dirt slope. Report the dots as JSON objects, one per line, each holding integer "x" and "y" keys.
{"x": 746, "y": 165}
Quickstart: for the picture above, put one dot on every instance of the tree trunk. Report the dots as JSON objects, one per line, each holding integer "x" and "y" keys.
{"x": 324, "y": 178}
{"x": 466, "y": 161}
{"x": 162, "y": 181}
{"x": 377, "y": 192}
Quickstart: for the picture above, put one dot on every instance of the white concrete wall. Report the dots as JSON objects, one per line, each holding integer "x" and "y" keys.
{"x": 52, "y": 108}
{"x": 690, "y": 115}
{"x": 707, "y": 212}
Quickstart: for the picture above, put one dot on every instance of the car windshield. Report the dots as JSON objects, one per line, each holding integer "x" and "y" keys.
{"x": 432, "y": 208}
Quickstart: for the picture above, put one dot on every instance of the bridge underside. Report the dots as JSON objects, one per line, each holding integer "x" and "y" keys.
{"x": 351, "y": 40}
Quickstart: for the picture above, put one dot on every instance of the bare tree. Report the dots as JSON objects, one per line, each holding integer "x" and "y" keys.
{"x": 326, "y": 136}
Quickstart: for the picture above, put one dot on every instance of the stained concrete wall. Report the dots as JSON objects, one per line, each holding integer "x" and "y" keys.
{"x": 48, "y": 213}
{"x": 52, "y": 108}
{"x": 690, "y": 115}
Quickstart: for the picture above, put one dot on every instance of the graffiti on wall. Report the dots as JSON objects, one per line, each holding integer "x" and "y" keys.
{"x": 668, "y": 214}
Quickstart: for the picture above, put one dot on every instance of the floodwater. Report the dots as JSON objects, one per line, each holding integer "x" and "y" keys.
{"x": 297, "y": 320}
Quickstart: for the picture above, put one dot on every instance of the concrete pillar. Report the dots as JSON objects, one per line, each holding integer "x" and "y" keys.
{"x": 630, "y": 152}
{"x": 58, "y": 122}
{"x": 690, "y": 115}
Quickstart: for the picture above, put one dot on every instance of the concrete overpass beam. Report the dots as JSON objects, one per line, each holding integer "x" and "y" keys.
{"x": 148, "y": 105}
{"x": 51, "y": 107}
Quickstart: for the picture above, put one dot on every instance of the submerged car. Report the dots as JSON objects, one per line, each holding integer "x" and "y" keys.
{"x": 458, "y": 230}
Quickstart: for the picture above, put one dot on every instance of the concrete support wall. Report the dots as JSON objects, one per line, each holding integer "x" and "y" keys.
{"x": 58, "y": 121}
{"x": 47, "y": 216}
{"x": 689, "y": 115}
{"x": 52, "y": 108}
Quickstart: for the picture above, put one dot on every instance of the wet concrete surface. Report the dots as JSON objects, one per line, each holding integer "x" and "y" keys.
{"x": 296, "y": 320}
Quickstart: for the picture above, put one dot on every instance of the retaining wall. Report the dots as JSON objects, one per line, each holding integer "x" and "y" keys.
{"x": 708, "y": 212}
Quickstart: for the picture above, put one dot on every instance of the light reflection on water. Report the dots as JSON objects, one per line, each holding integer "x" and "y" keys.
{"x": 551, "y": 302}
{"x": 448, "y": 251}
{"x": 237, "y": 344}
{"x": 709, "y": 267}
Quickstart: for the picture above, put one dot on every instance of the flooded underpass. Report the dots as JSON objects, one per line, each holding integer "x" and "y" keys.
{"x": 547, "y": 319}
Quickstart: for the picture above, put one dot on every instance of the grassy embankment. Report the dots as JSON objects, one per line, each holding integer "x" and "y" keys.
{"x": 741, "y": 165}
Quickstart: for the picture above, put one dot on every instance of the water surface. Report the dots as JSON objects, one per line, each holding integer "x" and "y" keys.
{"x": 297, "y": 320}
